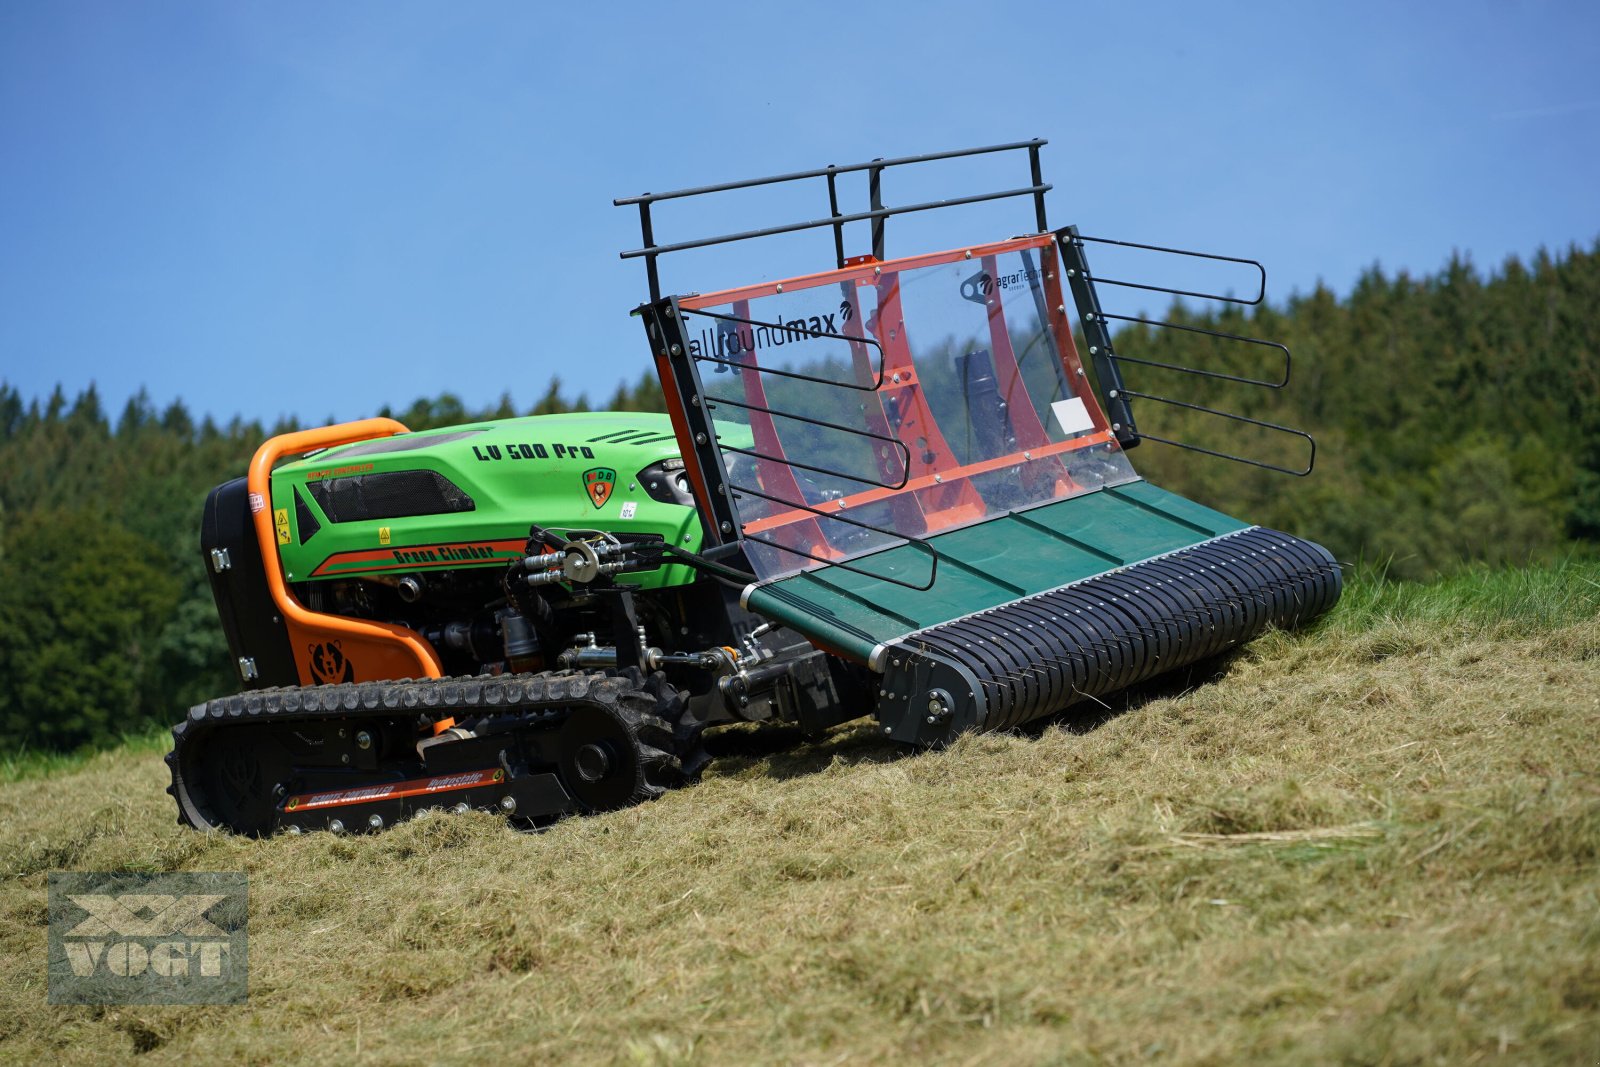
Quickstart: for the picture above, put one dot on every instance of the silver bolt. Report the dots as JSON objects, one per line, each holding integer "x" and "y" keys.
{"x": 938, "y": 477}
{"x": 336, "y": 827}
{"x": 295, "y": 830}
{"x": 344, "y": 758}
{"x": 1116, "y": 425}
{"x": 461, "y": 808}
{"x": 969, "y": 253}
{"x": 1071, "y": 273}
{"x": 1061, "y": 309}
{"x": 1027, "y": 455}
{"x": 875, "y": 272}
{"x": 887, "y": 730}
{"x": 1093, "y": 350}
{"x": 779, "y": 289}
{"x": 935, "y": 705}
{"x": 1112, "y": 394}
{"x": 699, "y": 438}
{"x": 676, "y": 350}
{"x": 508, "y": 804}
{"x": 375, "y": 822}
{"x": 930, "y": 720}
{"x": 363, "y": 739}
{"x": 727, "y": 527}
{"x": 1080, "y": 372}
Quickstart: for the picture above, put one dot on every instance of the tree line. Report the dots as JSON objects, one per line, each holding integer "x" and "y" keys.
{"x": 1457, "y": 420}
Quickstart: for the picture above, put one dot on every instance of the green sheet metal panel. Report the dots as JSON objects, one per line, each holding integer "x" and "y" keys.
{"x": 985, "y": 565}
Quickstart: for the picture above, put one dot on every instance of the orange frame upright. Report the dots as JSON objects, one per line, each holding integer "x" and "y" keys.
{"x": 372, "y": 650}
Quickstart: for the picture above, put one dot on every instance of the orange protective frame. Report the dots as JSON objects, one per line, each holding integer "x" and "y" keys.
{"x": 370, "y": 650}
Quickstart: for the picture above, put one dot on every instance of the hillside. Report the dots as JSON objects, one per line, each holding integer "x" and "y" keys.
{"x": 1376, "y": 842}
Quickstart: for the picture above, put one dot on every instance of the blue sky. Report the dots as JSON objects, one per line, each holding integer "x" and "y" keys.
{"x": 317, "y": 209}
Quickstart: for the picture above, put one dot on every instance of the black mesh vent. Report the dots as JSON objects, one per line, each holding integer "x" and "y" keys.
{"x": 304, "y": 519}
{"x": 391, "y": 495}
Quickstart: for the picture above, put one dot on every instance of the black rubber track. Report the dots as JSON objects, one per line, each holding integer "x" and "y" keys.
{"x": 651, "y": 714}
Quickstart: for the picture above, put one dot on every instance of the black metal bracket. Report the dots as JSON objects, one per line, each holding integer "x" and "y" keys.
{"x": 664, "y": 325}
{"x": 1097, "y": 336}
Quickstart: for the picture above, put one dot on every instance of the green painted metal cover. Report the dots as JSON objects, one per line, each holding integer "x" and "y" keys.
{"x": 985, "y": 565}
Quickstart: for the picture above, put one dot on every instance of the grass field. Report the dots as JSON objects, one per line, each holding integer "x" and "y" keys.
{"x": 1378, "y": 842}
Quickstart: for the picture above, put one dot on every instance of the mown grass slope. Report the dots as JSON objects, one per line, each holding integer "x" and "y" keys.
{"x": 1375, "y": 843}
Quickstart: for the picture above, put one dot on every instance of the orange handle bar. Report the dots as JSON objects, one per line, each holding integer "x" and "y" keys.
{"x": 260, "y": 486}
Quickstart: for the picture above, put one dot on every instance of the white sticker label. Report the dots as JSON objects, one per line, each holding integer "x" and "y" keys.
{"x": 1071, "y": 416}
{"x": 257, "y": 503}
{"x": 629, "y": 508}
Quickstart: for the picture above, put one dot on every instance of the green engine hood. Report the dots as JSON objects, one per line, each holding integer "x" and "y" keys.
{"x": 464, "y": 496}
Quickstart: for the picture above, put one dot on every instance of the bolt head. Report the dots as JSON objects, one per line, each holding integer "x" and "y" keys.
{"x": 336, "y": 827}
{"x": 508, "y": 804}
{"x": 363, "y": 739}
{"x": 375, "y": 821}
{"x": 676, "y": 350}
{"x": 461, "y": 808}
{"x": 931, "y": 720}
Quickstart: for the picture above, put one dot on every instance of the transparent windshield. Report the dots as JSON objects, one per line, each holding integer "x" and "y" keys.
{"x": 865, "y": 407}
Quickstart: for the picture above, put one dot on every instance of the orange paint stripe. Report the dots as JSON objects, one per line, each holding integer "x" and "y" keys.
{"x": 385, "y": 556}
{"x": 444, "y": 783}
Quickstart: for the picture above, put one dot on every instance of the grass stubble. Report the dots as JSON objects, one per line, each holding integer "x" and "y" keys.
{"x": 1372, "y": 843}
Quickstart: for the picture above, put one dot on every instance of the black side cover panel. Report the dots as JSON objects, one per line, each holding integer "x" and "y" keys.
{"x": 249, "y": 618}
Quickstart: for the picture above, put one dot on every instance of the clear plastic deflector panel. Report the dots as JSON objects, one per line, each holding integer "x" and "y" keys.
{"x": 877, "y": 405}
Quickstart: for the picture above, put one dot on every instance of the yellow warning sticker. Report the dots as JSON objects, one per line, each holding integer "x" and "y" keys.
{"x": 383, "y": 535}
{"x": 280, "y": 519}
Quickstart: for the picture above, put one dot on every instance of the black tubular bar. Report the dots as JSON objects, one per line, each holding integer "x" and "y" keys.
{"x": 874, "y": 387}
{"x": 1311, "y": 462}
{"x": 875, "y": 197}
{"x": 787, "y": 462}
{"x": 1287, "y": 358}
{"x": 713, "y": 401}
{"x": 1037, "y": 174}
{"x": 833, "y": 516}
{"x": 836, "y": 221}
{"x": 838, "y": 227}
{"x": 1261, "y": 292}
{"x": 859, "y": 216}
{"x": 801, "y": 175}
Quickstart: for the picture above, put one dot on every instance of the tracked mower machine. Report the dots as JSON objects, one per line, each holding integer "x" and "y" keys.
{"x": 889, "y": 488}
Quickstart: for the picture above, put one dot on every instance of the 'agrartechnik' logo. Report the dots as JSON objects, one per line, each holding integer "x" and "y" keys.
{"x": 147, "y": 938}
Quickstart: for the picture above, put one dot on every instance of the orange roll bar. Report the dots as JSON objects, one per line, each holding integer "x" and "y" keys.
{"x": 377, "y": 650}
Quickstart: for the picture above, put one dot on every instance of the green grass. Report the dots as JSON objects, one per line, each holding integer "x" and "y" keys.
{"x": 37, "y": 763}
{"x": 1375, "y": 843}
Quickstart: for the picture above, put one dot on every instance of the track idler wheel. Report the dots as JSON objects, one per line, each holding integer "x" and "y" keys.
{"x": 632, "y": 748}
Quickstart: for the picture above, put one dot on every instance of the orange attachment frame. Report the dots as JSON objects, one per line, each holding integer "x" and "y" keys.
{"x": 331, "y": 648}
